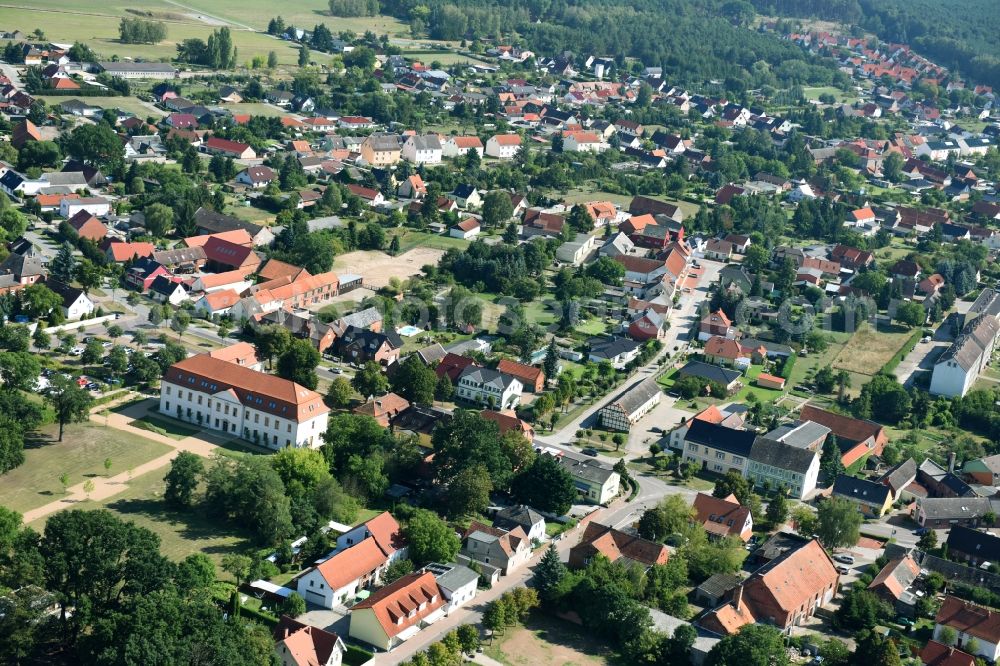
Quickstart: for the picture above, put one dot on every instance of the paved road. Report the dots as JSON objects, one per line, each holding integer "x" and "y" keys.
{"x": 11, "y": 73}
{"x": 681, "y": 320}
{"x": 923, "y": 356}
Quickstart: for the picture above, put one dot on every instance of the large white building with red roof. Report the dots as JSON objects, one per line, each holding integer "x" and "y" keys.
{"x": 250, "y": 405}
{"x": 398, "y": 611}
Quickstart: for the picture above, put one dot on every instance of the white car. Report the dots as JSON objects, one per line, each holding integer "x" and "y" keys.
{"x": 76, "y": 351}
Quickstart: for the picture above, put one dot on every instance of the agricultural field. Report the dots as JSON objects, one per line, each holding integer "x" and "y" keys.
{"x": 97, "y": 24}
{"x": 80, "y": 455}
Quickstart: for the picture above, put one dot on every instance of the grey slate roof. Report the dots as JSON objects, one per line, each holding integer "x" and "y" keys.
{"x": 487, "y": 377}
{"x": 860, "y": 490}
{"x": 454, "y": 577}
{"x": 731, "y": 440}
{"x": 425, "y": 142}
{"x": 607, "y": 348}
{"x": 710, "y": 372}
{"x": 517, "y": 516}
{"x": 632, "y": 399}
{"x": 982, "y": 545}
{"x": 956, "y": 508}
{"x": 585, "y": 468}
{"x": 975, "y": 338}
{"x": 799, "y": 434}
{"x": 781, "y": 456}
{"x": 901, "y": 475}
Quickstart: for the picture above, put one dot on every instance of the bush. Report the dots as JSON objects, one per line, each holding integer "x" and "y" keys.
{"x": 355, "y": 656}
{"x": 787, "y": 366}
{"x": 898, "y": 357}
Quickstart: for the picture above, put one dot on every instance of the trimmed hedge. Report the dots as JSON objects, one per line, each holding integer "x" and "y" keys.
{"x": 898, "y": 357}
{"x": 787, "y": 367}
{"x": 355, "y": 656}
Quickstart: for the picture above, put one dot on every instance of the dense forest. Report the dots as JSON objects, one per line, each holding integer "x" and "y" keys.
{"x": 693, "y": 41}
{"x": 959, "y": 34}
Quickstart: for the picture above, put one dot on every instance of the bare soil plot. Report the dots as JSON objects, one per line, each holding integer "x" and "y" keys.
{"x": 545, "y": 640}
{"x": 378, "y": 268}
{"x": 869, "y": 349}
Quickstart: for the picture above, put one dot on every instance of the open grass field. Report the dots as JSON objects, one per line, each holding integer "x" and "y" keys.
{"x": 839, "y": 95}
{"x": 81, "y": 455}
{"x": 409, "y": 239}
{"x": 97, "y": 25}
{"x": 181, "y": 533}
{"x": 130, "y": 104}
{"x": 547, "y": 640}
{"x": 869, "y": 349}
{"x": 258, "y": 109}
{"x": 169, "y": 428}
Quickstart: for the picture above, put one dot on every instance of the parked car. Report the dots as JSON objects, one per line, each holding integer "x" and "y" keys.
{"x": 589, "y": 451}
{"x": 846, "y": 559}
{"x": 843, "y": 571}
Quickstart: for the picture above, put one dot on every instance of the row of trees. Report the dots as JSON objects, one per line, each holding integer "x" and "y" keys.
{"x": 118, "y": 598}
{"x": 141, "y": 31}
{"x": 218, "y": 52}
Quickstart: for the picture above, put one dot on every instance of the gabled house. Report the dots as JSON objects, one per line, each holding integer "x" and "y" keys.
{"x": 359, "y": 345}
{"x": 618, "y": 351}
{"x": 496, "y": 548}
{"x": 87, "y": 226}
{"x": 957, "y": 369}
{"x": 856, "y": 438}
{"x": 892, "y": 584}
{"x": 422, "y": 149}
{"x": 397, "y": 612}
{"x": 227, "y": 148}
{"x": 716, "y": 324}
{"x": 778, "y": 464}
{"x": 383, "y": 409}
{"x": 466, "y": 196}
{"x": 531, "y": 377}
{"x": 168, "y": 290}
{"x": 969, "y": 622}
{"x": 717, "y": 448}
{"x": 256, "y": 177}
{"x": 524, "y": 517}
{"x": 973, "y": 546}
{"x": 340, "y": 577}
{"x": 75, "y": 303}
{"x": 617, "y": 546}
{"x": 298, "y": 644}
{"x": 488, "y": 387}
{"x": 939, "y": 654}
{"x": 785, "y": 592}
{"x": 624, "y": 410}
{"x": 503, "y": 146}
{"x": 873, "y": 499}
{"x": 722, "y": 516}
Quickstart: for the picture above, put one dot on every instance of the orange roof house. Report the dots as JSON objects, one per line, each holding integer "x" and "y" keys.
{"x": 531, "y": 377}
{"x": 722, "y": 517}
{"x": 237, "y": 236}
{"x": 24, "y": 132}
{"x": 939, "y": 654}
{"x": 856, "y": 437}
{"x": 122, "y": 252}
{"x": 766, "y": 380}
{"x": 968, "y": 619}
{"x": 385, "y": 619}
{"x": 275, "y": 269}
{"x": 240, "y": 353}
{"x": 784, "y": 592}
{"x": 382, "y": 409}
{"x": 716, "y": 323}
{"x": 507, "y": 421}
{"x": 300, "y": 644}
{"x": 600, "y": 539}
{"x": 894, "y": 578}
{"x": 87, "y": 226}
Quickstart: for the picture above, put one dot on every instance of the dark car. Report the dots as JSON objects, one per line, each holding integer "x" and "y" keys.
{"x": 590, "y": 452}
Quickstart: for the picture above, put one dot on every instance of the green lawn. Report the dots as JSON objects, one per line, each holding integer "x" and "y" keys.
{"x": 167, "y": 427}
{"x": 257, "y": 109}
{"x": 814, "y": 93}
{"x": 81, "y": 455}
{"x": 181, "y": 532}
{"x": 131, "y": 104}
{"x": 870, "y": 349}
{"x": 410, "y": 239}
{"x": 97, "y": 25}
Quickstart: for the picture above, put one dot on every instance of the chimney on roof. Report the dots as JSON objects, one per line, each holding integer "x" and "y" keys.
{"x": 738, "y": 599}
{"x": 951, "y": 462}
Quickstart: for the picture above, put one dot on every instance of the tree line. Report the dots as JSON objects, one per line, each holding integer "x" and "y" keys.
{"x": 140, "y": 31}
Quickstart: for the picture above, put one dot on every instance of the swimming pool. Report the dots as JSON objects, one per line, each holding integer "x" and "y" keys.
{"x": 409, "y": 330}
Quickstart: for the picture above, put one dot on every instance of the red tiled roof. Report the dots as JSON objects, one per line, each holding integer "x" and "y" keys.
{"x": 939, "y": 654}
{"x": 616, "y": 545}
{"x": 278, "y": 396}
{"x": 352, "y": 563}
{"x": 507, "y": 139}
{"x": 968, "y": 618}
{"x": 393, "y": 604}
{"x": 216, "y": 143}
{"x": 726, "y": 513}
{"x": 528, "y": 373}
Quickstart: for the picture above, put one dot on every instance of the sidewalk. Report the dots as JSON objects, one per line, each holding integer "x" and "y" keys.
{"x": 105, "y": 487}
